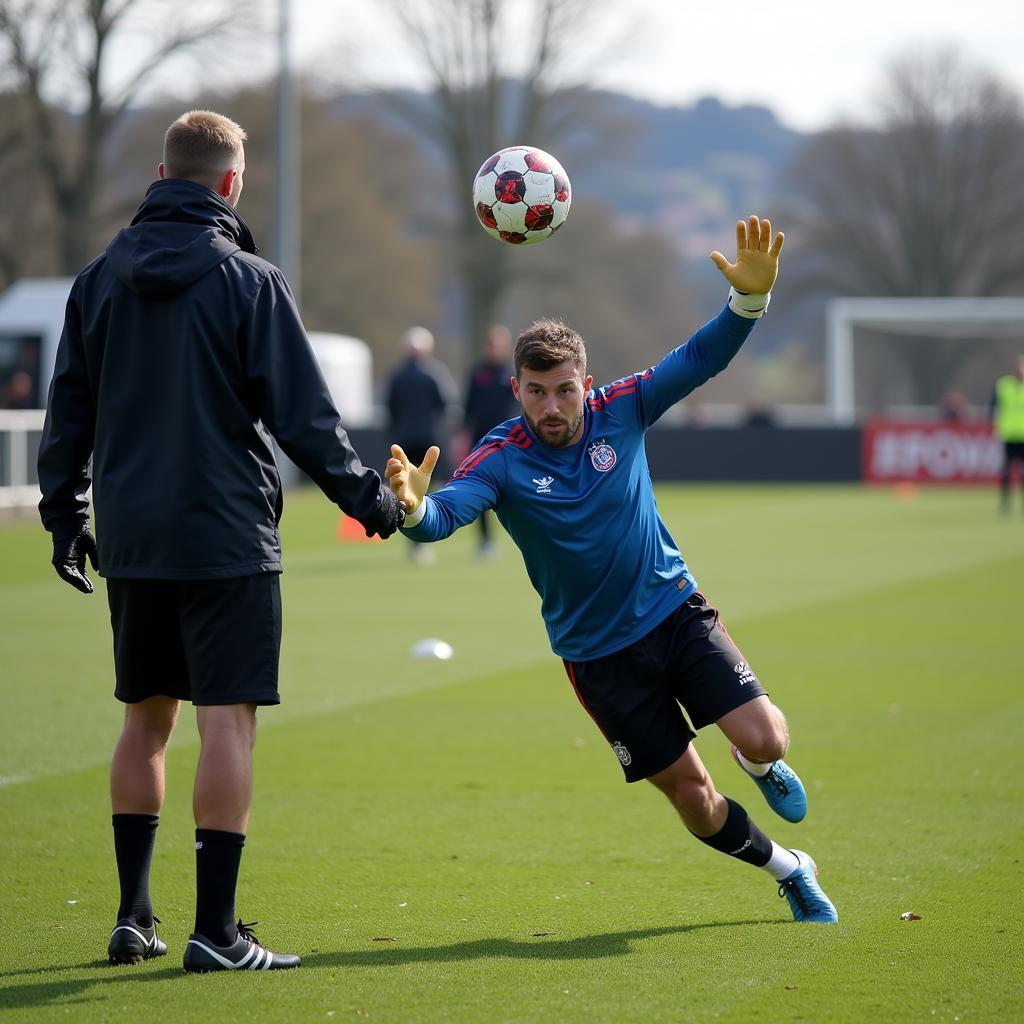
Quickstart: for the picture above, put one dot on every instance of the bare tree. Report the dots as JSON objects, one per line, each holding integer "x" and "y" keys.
{"x": 363, "y": 271}
{"x": 26, "y": 224}
{"x": 500, "y": 73}
{"x": 55, "y": 58}
{"x": 925, "y": 204}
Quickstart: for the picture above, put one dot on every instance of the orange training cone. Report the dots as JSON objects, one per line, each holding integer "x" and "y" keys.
{"x": 350, "y": 531}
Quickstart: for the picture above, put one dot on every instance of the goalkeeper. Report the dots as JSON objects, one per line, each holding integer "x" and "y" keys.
{"x": 568, "y": 480}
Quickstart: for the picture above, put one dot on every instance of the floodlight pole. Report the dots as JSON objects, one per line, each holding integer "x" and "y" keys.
{"x": 287, "y": 226}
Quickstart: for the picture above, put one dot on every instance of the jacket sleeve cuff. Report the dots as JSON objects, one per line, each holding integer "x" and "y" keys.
{"x": 68, "y": 526}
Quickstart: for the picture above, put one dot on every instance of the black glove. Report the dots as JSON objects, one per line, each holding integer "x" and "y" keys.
{"x": 69, "y": 558}
{"x": 387, "y": 517}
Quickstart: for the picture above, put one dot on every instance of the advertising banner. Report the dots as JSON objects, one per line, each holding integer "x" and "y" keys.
{"x": 930, "y": 453}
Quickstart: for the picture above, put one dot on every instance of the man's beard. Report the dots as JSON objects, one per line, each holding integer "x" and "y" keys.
{"x": 560, "y": 440}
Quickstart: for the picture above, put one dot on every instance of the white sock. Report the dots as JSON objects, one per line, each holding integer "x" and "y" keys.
{"x": 782, "y": 864}
{"x": 754, "y": 767}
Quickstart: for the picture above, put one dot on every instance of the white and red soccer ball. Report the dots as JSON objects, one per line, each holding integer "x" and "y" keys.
{"x": 522, "y": 195}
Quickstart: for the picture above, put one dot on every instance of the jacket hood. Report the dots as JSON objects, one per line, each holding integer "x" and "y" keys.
{"x": 181, "y": 231}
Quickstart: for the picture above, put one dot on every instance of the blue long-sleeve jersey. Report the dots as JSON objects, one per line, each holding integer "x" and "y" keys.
{"x": 584, "y": 516}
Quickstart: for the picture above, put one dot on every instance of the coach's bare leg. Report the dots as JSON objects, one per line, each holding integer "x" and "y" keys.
{"x": 136, "y": 797}
{"x": 757, "y": 730}
{"x": 221, "y": 799}
{"x": 689, "y": 788}
{"x": 137, "y": 769}
{"x": 222, "y": 795}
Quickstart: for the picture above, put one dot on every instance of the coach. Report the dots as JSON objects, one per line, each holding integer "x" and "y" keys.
{"x": 181, "y": 350}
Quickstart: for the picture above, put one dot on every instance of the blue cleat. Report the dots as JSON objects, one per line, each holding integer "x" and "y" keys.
{"x": 806, "y": 898}
{"x": 782, "y": 789}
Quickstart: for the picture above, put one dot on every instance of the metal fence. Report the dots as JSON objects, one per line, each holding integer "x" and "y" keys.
{"x": 20, "y": 430}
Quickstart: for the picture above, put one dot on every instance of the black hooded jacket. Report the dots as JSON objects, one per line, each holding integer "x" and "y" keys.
{"x": 181, "y": 349}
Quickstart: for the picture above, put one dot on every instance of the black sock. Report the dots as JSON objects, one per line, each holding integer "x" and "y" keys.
{"x": 134, "y": 836}
{"x": 218, "y": 855}
{"x": 741, "y": 838}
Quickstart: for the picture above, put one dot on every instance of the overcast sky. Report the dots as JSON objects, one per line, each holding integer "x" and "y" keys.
{"x": 809, "y": 61}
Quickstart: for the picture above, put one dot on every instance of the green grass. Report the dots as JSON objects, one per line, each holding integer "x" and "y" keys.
{"x": 468, "y": 813}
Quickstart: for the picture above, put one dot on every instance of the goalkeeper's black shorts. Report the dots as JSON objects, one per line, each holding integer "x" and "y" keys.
{"x": 637, "y": 696}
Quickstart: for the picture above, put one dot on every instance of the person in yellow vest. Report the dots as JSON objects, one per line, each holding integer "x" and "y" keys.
{"x": 1008, "y": 421}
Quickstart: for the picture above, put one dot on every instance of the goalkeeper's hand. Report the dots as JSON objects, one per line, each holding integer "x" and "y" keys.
{"x": 387, "y": 517}
{"x": 69, "y": 554}
{"x": 410, "y": 482}
{"x": 757, "y": 257}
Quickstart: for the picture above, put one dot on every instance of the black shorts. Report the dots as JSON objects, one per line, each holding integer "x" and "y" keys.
{"x": 1013, "y": 451}
{"x": 207, "y": 641}
{"x": 634, "y": 695}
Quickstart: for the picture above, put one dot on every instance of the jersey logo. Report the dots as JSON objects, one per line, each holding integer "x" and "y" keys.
{"x": 602, "y": 456}
{"x": 543, "y": 484}
{"x": 624, "y": 756}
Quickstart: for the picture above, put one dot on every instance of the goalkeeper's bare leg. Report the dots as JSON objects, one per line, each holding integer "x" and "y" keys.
{"x": 725, "y": 826}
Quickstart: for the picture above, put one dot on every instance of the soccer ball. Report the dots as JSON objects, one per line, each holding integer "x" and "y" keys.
{"x": 521, "y": 195}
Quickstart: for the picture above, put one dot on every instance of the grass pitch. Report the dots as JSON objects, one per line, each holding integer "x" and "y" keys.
{"x": 452, "y": 841}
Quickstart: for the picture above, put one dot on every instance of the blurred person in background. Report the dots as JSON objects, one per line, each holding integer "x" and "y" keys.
{"x": 1008, "y": 422}
{"x": 419, "y": 395}
{"x": 759, "y": 415}
{"x": 489, "y": 401}
{"x": 20, "y": 392}
{"x": 955, "y": 408}
{"x": 569, "y": 481}
{"x": 181, "y": 350}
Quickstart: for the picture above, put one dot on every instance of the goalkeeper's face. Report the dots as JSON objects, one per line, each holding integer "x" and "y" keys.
{"x": 552, "y": 402}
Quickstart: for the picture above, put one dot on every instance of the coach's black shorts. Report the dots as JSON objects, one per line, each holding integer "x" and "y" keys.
{"x": 207, "y": 641}
{"x": 634, "y": 695}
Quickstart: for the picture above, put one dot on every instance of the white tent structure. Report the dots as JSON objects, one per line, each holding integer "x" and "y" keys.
{"x": 347, "y": 366}
{"x": 31, "y": 320}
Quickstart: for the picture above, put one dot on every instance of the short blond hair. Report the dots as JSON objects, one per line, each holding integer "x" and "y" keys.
{"x": 202, "y": 145}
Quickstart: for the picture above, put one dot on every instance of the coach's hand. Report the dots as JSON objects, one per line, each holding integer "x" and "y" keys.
{"x": 410, "y": 482}
{"x": 69, "y": 554}
{"x": 757, "y": 257}
{"x": 387, "y": 517}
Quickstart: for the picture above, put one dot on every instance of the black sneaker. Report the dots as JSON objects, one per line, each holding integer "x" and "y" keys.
{"x": 130, "y": 943}
{"x": 244, "y": 954}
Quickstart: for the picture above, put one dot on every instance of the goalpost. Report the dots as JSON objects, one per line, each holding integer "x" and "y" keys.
{"x": 933, "y": 317}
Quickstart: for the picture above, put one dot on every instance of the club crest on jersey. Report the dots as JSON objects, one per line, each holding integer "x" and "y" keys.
{"x": 624, "y": 756}
{"x": 544, "y": 484}
{"x": 602, "y": 456}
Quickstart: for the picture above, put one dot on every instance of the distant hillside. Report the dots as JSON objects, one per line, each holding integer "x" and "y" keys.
{"x": 692, "y": 170}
